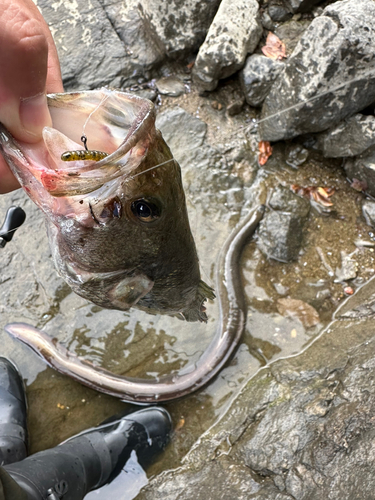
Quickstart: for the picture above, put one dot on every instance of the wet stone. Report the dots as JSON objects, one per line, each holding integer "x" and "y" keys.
{"x": 348, "y": 29}
{"x": 149, "y": 94}
{"x": 278, "y": 11}
{"x": 235, "y": 107}
{"x": 296, "y": 155}
{"x": 300, "y": 5}
{"x": 302, "y": 428}
{"x": 257, "y": 77}
{"x": 171, "y": 86}
{"x": 284, "y": 200}
{"x": 349, "y": 138}
{"x": 281, "y": 230}
{"x": 234, "y": 32}
{"x": 362, "y": 168}
{"x": 348, "y": 269}
{"x": 267, "y": 22}
{"x": 368, "y": 210}
{"x": 180, "y": 26}
{"x": 290, "y": 33}
{"x": 84, "y": 58}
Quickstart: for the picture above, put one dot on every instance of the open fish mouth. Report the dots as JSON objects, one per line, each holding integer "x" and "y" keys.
{"x": 114, "y": 203}
{"x": 115, "y": 123}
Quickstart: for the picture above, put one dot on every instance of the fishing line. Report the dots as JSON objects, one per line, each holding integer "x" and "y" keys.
{"x": 310, "y": 99}
{"x": 104, "y": 98}
{"x": 151, "y": 168}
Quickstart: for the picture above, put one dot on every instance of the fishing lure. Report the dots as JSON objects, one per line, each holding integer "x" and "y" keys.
{"x": 83, "y": 154}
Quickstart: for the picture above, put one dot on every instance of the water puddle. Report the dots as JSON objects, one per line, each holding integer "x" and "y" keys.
{"x": 219, "y": 168}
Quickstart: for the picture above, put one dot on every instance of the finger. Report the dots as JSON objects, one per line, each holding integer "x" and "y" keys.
{"x": 54, "y": 81}
{"x": 24, "y": 61}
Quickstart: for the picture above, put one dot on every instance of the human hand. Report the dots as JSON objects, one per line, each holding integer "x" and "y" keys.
{"x": 29, "y": 67}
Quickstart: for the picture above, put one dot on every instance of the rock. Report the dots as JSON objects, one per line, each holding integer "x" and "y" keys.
{"x": 234, "y": 32}
{"x": 290, "y": 32}
{"x": 267, "y": 22}
{"x": 368, "y": 210}
{"x": 349, "y": 138}
{"x": 300, "y": 5}
{"x": 138, "y": 34}
{"x": 170, "y": 85}
{"x": 362, "y": 168}
{"x": 296, "y": 155}
{"x": 235, "y": 107}
{"x": 257, "y": 77}
{"x": 348, "y": 269}
{"x": 146, "y": 93}
{"x": 278, "y": 11}
{"x": 131, "y": 21}
{"x": 301, "y": 429}
{"x": 200, "y": 163}
{"x": 87, "y": 62}
{"x": 180, "y": 26}
{"x": 152, "y": 29}
{"x": 280, "y": 231}
{"x": 327, "y": 77}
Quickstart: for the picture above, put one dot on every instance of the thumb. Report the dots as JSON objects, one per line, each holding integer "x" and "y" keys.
{"x": 23, "y": 63}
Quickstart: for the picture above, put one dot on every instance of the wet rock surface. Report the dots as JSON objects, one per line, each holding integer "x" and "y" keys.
{"x": 170, "y": 85}
{"x": 368, "y": 210}
{"x": 234, "y": 32}
{"x": 349, "y": 138}
{"x": 302, "y": 428}
{"x": 85, "y": 61}
{"x": 257, "y": 77}
{"x": 281, "y": 230}
{"x": 310, "y": 94}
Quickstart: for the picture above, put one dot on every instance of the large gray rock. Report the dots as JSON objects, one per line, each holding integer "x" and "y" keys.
{"x": 281, "y": 230}
{"x": 349, "y": 138}
{"x": 180, "y": 25}
{"x": 234, "y": 32}
{"x": 103, "y": 42}
{"x": 257, "y": 77}
{"x": 302, "y": 429}
{"x": 153, "y": 29}
{"x": 328, "y": 76}
{"x": 133, "y": 27}
{"x": 79, "y": 29}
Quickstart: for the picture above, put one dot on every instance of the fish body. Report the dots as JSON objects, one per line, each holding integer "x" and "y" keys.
{"x": 120, "y": 236}
{"x": 232, "y": 307}
{"x": 118, "y": 227}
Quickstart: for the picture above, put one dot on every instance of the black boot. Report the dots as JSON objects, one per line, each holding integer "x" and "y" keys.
{"x": 93, "y": 458}
{"x": 13, "y": 430}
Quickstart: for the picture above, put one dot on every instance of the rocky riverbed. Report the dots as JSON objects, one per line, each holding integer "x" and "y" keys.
{"x": 292, "y": 415}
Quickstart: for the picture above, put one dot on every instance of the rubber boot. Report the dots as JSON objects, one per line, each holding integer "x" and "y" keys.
{"x": 13, "y": 429}
{"x": 93, "y": 458}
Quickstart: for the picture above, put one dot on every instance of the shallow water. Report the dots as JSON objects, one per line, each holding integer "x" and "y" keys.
{"x": 222, "y": 180}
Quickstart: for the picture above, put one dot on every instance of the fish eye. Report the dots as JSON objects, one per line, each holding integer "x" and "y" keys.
{"x": 146, "y": 211}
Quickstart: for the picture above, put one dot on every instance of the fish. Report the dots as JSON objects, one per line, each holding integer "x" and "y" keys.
{"x": 118, "y": 228}
{"x": 120, "y": 237}
{"x": 231, "y": 324}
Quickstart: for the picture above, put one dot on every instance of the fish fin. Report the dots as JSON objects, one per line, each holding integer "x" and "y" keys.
{"x": 130, "y": 290}
{"x": 196, "y": 311}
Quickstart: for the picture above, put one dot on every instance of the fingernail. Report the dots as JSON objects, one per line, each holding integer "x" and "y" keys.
{"x": 34, "y": 114}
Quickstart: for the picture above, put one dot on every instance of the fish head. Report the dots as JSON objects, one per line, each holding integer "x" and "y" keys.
{"x": 118, "y": 227}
